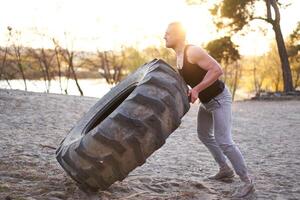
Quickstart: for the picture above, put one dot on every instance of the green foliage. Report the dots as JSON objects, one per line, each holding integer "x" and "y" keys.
{"x": 293, "y": 47}
{"x": 294, "y": 42}
{"x": 237, "y": 12}
{"x": 226, "y": 52}
{"x": 194, "y": 2}
{"x": 160, "y": 52}
{"x": 134, "y": 58}
{"x": 223, "y": 50}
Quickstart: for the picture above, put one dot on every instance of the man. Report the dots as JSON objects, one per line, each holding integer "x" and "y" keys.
{"x": 201, "y": 72}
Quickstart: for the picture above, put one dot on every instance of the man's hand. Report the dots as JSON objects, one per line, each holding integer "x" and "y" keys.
{"x": 193, "y": 95}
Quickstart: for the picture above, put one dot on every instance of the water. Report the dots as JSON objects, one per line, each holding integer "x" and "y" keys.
{"x": 90, "y": 87}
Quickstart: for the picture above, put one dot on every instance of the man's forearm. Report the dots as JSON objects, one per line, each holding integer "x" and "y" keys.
{"x": 210, "y": 77}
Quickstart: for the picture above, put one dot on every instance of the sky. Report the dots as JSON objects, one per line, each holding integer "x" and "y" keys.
{"x": 109, "y": 24}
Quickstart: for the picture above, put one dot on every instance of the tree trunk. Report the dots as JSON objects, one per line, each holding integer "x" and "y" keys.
{"x": 70, "y": 56}
{"x": 76, "y": 80}
{"x": 46, "y": 64}
{"x": 285, "y": 65}
{"x": 237, "y": 75}
{"x": 57, "y": 49}
{"x": 3, "y": 62}
{"x": 7, "y": 81}
{"x": 23, "y": 74}
{"x": 17, "y": 51}
{"x": 297, "y": 79}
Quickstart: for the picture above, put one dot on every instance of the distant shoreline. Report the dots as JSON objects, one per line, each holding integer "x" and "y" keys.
{"x": 269, "y": 97}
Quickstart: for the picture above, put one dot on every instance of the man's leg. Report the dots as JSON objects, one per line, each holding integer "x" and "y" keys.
{"x": 205, "y": 134}
{"x": 222, "y": 129}
{"x": 222, "y": 117}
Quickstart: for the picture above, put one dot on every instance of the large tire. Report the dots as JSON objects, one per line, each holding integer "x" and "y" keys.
{"x": 125, "y": 126}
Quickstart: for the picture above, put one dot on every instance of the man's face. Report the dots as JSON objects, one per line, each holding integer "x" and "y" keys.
{"x": 171, "y": 37}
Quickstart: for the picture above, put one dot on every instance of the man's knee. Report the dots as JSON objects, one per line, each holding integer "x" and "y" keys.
{"x": 227, "y": 147}
{"x": 204, "y": 136}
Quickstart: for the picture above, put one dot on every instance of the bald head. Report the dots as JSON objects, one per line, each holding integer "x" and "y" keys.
{"x": 178, "y": 29}
{"x": 175, "y": 34}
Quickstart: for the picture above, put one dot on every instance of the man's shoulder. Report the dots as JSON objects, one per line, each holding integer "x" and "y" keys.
{"x": 191, "y": 48}
{"x": 194, "y": 51}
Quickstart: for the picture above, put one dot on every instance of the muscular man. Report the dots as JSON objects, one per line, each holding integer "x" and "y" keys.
{"x": 201, "y": 72}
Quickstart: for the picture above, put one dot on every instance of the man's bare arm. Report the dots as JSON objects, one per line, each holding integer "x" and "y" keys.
{"x": 198, "y": 56}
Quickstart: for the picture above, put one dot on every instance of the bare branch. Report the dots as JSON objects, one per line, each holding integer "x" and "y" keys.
{"x": 262, "y": 18}
{"x": 276, "y": 9}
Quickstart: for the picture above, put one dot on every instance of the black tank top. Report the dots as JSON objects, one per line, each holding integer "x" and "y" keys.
{"x": 193, "y": 75}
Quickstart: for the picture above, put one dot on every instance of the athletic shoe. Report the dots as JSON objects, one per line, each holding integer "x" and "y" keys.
{"x": 224, "y": 173}
{"x": 244, "y": 190}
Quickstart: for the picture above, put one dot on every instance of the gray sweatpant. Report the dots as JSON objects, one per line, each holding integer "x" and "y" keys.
{"x": 214, "y": 130}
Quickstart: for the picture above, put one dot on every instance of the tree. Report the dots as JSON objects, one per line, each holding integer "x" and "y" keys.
{"x": 17, "y": 53}
{"x": 226, "y": 53}
{"x": 240, "y": 13}
{"x": 68, "y": 57}
{"x": 58, "y": 61}
{"x": 294, "y": 54}
{"x": 160, "y": 52}
{"x": 44, "y": 59}
{"x": 109, "y": 64}
{"x": 273, "y": 65}
{"x": 134, "y": 59}
{"x": 259, "y": 73}
{"x": 4, "y": 54}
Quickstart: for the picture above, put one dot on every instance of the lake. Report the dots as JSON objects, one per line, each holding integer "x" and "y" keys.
{"x": 90, "y": 87}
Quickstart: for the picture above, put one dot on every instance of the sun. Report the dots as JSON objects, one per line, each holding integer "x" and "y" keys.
{"x": 198, "y": 26}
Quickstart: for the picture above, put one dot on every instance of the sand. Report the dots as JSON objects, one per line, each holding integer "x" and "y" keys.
{"x": 267, "y": 132}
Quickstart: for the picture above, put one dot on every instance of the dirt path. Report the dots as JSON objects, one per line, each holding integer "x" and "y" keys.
{"x": 268, "y": 134}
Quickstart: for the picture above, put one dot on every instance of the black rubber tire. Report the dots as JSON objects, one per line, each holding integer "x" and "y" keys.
{"x": 125, "y": 126}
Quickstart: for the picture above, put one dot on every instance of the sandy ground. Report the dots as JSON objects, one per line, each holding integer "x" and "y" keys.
{"x": 268, "y": 134}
